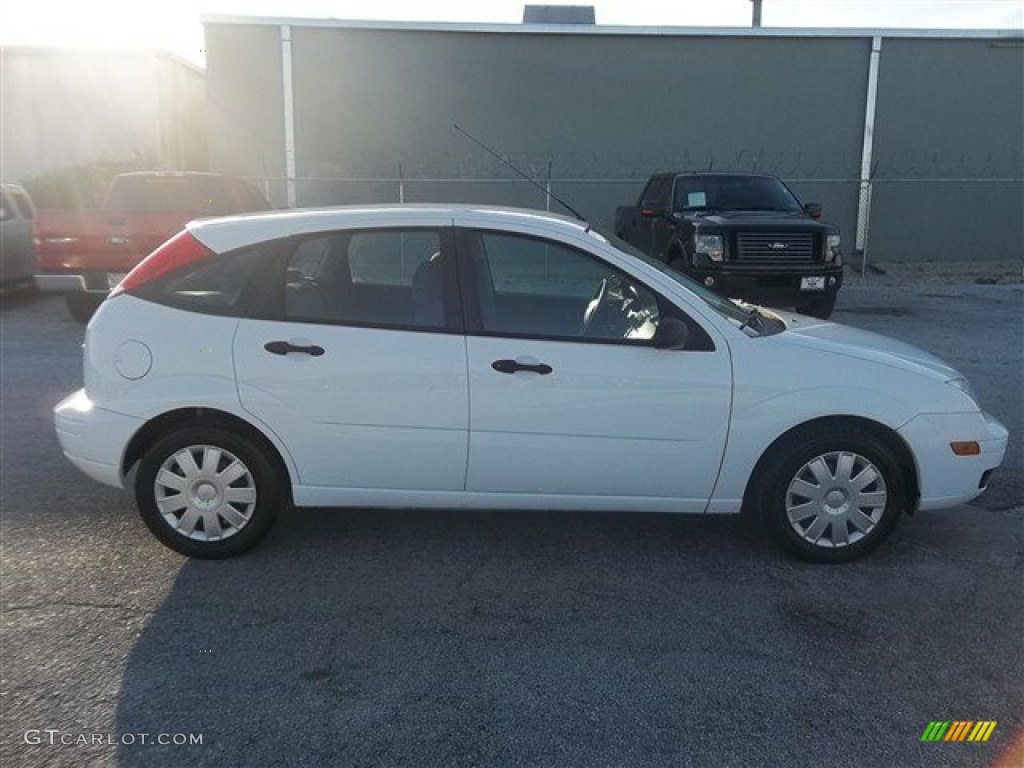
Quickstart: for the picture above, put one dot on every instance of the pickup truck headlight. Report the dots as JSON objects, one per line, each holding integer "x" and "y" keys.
{"x": 711, "y": 246}
{"x": 831, "y": 247}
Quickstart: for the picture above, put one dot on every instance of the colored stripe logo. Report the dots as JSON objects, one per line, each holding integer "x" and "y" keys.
{"x": 958, "y": 730}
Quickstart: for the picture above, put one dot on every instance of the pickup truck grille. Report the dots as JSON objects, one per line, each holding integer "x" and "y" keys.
{"x": 775, "y": 247}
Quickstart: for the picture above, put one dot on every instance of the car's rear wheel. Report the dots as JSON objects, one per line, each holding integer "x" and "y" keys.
{"x": 832, "y": 497}
{"x": 207, "y": 492}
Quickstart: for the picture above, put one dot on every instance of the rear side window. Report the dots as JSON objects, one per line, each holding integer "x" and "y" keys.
{"x": 382, "y": 278}
{"x": 218, "y": 285}
{"x": 657, "y": 190}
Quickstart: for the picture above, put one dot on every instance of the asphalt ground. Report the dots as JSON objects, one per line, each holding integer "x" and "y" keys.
{"x": 398, "y": 638}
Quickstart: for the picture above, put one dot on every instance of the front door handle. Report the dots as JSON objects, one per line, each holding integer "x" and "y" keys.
{"x": 511, "y": 366}
{"x": 284, "y": 347}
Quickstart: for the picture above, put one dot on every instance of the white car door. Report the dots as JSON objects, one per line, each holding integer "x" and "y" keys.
{"x": 568, "y": 394}
{"x": 362, "y": 376}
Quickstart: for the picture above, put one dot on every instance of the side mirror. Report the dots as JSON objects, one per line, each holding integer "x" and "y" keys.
{"x": 672, "y": 334}
{"x": 813, "y": 210}
{"x": 651, "y": 208}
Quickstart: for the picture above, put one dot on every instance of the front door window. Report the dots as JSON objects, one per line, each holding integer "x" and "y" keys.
{"x": 532, "y": 287}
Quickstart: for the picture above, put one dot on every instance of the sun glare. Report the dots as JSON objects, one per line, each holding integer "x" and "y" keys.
{"x": 104, "y": 24}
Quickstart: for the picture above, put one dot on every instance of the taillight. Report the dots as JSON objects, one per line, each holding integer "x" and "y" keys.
{"x": 180, "y": 250}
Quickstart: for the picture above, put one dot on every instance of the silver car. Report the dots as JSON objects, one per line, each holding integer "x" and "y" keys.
{"x": 17, "y": 250}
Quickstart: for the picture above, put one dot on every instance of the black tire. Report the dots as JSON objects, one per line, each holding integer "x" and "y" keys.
{"x": 834, "y": 520}
{"x": 212, "y": 499}
{"x": 821, "y": 308}
{"x": 81, "y": 306}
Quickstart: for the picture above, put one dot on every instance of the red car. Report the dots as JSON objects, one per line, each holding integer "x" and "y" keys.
{"x": 84, "y": 254}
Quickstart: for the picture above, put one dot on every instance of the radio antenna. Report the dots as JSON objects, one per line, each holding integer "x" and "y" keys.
{"x": 533, "y": 181}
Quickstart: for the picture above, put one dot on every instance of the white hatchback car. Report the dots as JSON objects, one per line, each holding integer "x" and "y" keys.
{"x": 453, "y": 356}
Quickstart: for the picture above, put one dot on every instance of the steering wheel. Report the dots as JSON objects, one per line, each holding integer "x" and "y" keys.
{"x": 595, "y": 304}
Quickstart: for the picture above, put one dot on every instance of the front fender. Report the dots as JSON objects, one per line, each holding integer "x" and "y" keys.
{"x": 758, "y": 421}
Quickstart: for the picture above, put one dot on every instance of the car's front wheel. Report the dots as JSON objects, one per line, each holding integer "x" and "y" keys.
{"x": 207, "y": 492}
{"x": 831, "y": 497}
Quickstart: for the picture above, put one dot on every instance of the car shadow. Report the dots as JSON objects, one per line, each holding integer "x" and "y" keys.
{"x": 440, "y": 638}
{"x": 454, "y": 628}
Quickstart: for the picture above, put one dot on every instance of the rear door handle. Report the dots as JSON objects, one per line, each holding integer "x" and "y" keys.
{"x": 284, "y": 347}
{"x": 512, "y": 366}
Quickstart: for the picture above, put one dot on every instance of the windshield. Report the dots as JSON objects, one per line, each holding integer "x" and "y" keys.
{"x": 721, "y": 305}
{"x": 202, "y": 195}
{"x": 733, "y": 193}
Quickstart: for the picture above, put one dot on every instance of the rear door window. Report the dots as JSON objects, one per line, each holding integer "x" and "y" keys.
{"x": 394, "y": 278}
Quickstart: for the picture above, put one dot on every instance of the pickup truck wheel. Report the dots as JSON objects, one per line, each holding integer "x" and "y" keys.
{"x": 831, "y": 497}
{"x": 821, "y": 308}
{"x": 207, "y": 492}
{"x": 81, "y": 306}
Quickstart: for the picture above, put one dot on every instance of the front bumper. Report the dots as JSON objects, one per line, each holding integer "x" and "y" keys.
{"x": 94, "y": 439}
{"x": 946, "y": 479}
{"x": 769, "y": 285}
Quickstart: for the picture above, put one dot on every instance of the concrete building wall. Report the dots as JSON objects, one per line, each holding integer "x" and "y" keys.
{"x": 598, "y": 110}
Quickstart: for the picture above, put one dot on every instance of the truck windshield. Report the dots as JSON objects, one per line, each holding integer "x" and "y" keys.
{"x": 733, "y": 193}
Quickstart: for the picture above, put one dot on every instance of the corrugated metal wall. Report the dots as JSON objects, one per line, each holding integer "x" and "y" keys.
{"x": 597, "y": 113}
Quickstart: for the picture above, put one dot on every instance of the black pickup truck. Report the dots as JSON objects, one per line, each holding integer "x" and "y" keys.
{"x": 745, "y": 236}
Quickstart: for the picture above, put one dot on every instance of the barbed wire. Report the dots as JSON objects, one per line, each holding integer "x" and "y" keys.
{"x": 806, "y": 165}
{"x": 622, "y": 180}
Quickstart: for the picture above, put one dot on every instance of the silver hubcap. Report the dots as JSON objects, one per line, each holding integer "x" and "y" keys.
{"x": 836, "y": 499}
{"x": 205, "y": 493}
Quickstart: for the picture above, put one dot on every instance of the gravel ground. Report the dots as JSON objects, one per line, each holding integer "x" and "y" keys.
{"x": 895, "y": 274}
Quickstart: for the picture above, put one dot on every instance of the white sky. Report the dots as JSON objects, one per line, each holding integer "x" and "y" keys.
{"x": 174, "y": 24}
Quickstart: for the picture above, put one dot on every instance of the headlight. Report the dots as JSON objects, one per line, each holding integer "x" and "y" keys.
{"x": 831, "y": 247}
{"x": 965, "y": 386}
{"x": 710, "y": 246}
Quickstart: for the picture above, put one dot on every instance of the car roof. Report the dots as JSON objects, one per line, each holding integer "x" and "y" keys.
{"x": 739, "y": 174}
{"x": 227, "y": 233}
{"x": 171, "y": 174}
